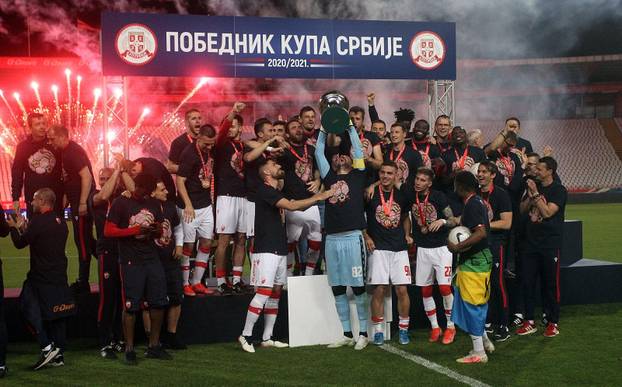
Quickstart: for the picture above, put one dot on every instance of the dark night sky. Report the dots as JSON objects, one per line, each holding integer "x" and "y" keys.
{"x": 486, "y": 29}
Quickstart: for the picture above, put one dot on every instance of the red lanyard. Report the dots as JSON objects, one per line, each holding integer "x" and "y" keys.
{"x": 468, "y": 198}
{"x": 206, "y": 171}
{"x": 442, "y": 148}
{"x": 399, "y": 155}
{"x": 462, "y": 160}
{"x": 238, "y": 152}
{"x": 507, "y": 162}
{"x": 190, "y": 139}
{"x": 491, "y": 189}
{"x": 386, "y": 208}
{"x": 427, "y": 147}
{"x": 304, "y": 159}
{"x": 422, "y": 207}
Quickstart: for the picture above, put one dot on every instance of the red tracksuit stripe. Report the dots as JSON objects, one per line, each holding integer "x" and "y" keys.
{"x": 100, "y": 309}
{"x": 557, "y": 278}
{"x": 83, "y": 256}
{"x": 504, "y": 296}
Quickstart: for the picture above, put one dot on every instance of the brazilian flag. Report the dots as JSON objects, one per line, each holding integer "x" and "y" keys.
{"x": 471, "y": 292}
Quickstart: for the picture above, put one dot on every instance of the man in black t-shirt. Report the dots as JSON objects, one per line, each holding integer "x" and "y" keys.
{"x": 193, "y": 120}
{"x": 45, "y": 300}
{"x": 509, "y": 167}
{"x": 302, "y": 180}
{"x": 432, "y": 218}
{"x": 137, "y": 222}
{"x": 195, "y": 177}
{"x": 442, "y": 133}
{"x": 78, "y": 183}
{"x": 36, "y": 165}
{"x": 110, "y": 308}
{"x": 385, "y": 239}
{"x": 421, "y": 141}
{"x": 154, "y": 168}
{"x": 231, "y": 204}
{"x": 499, "y": 208}
{"x": 268, "y": 273}
{"x": 407, "y": 159}
{"x": 307, "y": 120}
{"x": 472, "y": 288}
{"x": 344, "y": 222}
{"x": 460, "y": 157}
{"x": 170, "y": 249}
{"x": 545, "y": 203}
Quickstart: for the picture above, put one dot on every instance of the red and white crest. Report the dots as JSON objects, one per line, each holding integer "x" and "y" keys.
{"x": 427, "y": 50}
{"x": 136, "y": 44}
{"x": 390, "y": 220}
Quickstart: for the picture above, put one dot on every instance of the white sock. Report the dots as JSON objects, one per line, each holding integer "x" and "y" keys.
{"x": 237, "y": 274}
{"x": 254, "y": 310}
{"x": 269, "y": 316}
{"x": 430, "y": 309}
{"x": 448, "y": 302}
{"x": 378, "y": 323}
{"x": 185, "y": 269}
{"x": 404, "y": 323}
{"x": 478, "y": 344}
{"x": 200, "y": 264}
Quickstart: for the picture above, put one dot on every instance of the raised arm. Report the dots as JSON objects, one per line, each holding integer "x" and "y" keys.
{"x": 357, "y": 149}
{"x": 320, "y": 157}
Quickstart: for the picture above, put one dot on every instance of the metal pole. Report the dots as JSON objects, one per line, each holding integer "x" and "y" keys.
{"x": 105, "y": 122}
{"x": 126, "y": 143}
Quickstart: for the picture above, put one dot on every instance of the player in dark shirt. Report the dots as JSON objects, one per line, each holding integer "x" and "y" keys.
{"x": 78, "y": 183}
{"x": 195, "y": 178}
{"x": 231, "y": 203}
{"x": 170, "y": 249}
{"x": 35, "y": 165}
{"x": 545, "y": 203}
{"x": 460, "y": 157}
{"x": 509, "y": 166}
{"x": 432, "y": 218}
{"x": 270, "y": 252}
{"x": 302, "y": 180}
{"x": 471, "y": 290}
{"x": 110, "y": 308}
{"x": 442, "y": 133}
{"x": 344, "y": 220}
{"x": 421, "y": 142}
{"x": 499, "y": 208}
{"x": 4, "y": 231}
{"x": 385, "y": 239}
{"x": 307, "y": 120}
{"x": 407, "y": 159}
{"x": 193, "y": 120}
{"x": 136, "y": 222}
{"x": 45, "y": 300}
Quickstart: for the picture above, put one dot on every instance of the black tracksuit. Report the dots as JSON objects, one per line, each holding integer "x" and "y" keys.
{"x": 46, "y": 299}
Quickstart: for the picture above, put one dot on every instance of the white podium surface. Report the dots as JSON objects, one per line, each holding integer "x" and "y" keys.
{"x": 312, "y": 314}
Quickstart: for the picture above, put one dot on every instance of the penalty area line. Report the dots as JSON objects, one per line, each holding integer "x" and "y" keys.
{"x": 433, "y": 366}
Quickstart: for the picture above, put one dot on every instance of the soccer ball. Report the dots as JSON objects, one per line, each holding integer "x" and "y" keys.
{"x": 458, "y": 234}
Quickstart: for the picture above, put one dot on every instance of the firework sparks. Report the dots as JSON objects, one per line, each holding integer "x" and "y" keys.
{"x": 56, "y": 105}
{"x": 144, "y": 114}
{"x": 8, "y": 106}
{"x": 96, "y": 93}
{"x": 21, "y": 105}
{"x": 35, "y": 87}
{"x": 202, "y": 82}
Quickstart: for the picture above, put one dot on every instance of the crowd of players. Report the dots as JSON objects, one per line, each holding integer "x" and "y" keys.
{"x": 375, "y": 206}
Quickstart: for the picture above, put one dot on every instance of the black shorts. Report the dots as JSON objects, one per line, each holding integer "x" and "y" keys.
{"x": 143, "y": 281}
{"x": 174, "y": 285}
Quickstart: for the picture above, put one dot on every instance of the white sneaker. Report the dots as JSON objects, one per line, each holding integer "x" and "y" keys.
{"x": 345, "y": 340}
{"x": 248, "y": 347}
{"x": 273, "y": 343}
{"x": 361, "y": 343}
{"x": 488, "y": 345}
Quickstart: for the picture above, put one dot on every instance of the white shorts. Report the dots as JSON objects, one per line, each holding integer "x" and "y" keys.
{"x": 433, "y": 262}
{"x": 202, "y": 225}
{"x": 249, "y": 214}
{"x": 384, "y": 265}
{"x": 303, "y": 224}
{"x": 268, "y": 270}
{"x": 230, "y": 214}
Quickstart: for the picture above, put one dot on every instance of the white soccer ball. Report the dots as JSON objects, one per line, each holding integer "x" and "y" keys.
{"x": 458, "y": 234}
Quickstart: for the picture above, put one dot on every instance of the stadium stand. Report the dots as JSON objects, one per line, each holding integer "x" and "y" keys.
{"x": 587, "y": 161}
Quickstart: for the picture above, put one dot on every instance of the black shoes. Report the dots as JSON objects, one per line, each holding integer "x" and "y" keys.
{"x": 224, "y": 290}
{"x": 170, "y": 341}
{"x": 108, "y": 352}
{"x": 502, "y": 333}
{"x": 157, "y": 353}
{"x": 130, "y": 358}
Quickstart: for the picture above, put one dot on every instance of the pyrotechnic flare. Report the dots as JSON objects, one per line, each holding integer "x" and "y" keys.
{"x": 144, "y": 114}
{"x": 56, "y": 105}
{"x": 202, "y": 82}
{"x": 35, "y": 87}
{"x": 68, "y": 76}
{"x": 78, "y": 108}
{"x": 9, "y": 108}
{"x": 21, "y": 106}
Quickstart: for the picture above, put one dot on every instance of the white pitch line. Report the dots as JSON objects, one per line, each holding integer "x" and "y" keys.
{"x": 433, "y": 366}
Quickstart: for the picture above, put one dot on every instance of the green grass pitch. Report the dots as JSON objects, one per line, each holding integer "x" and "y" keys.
{"x": 587, "y": 352}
